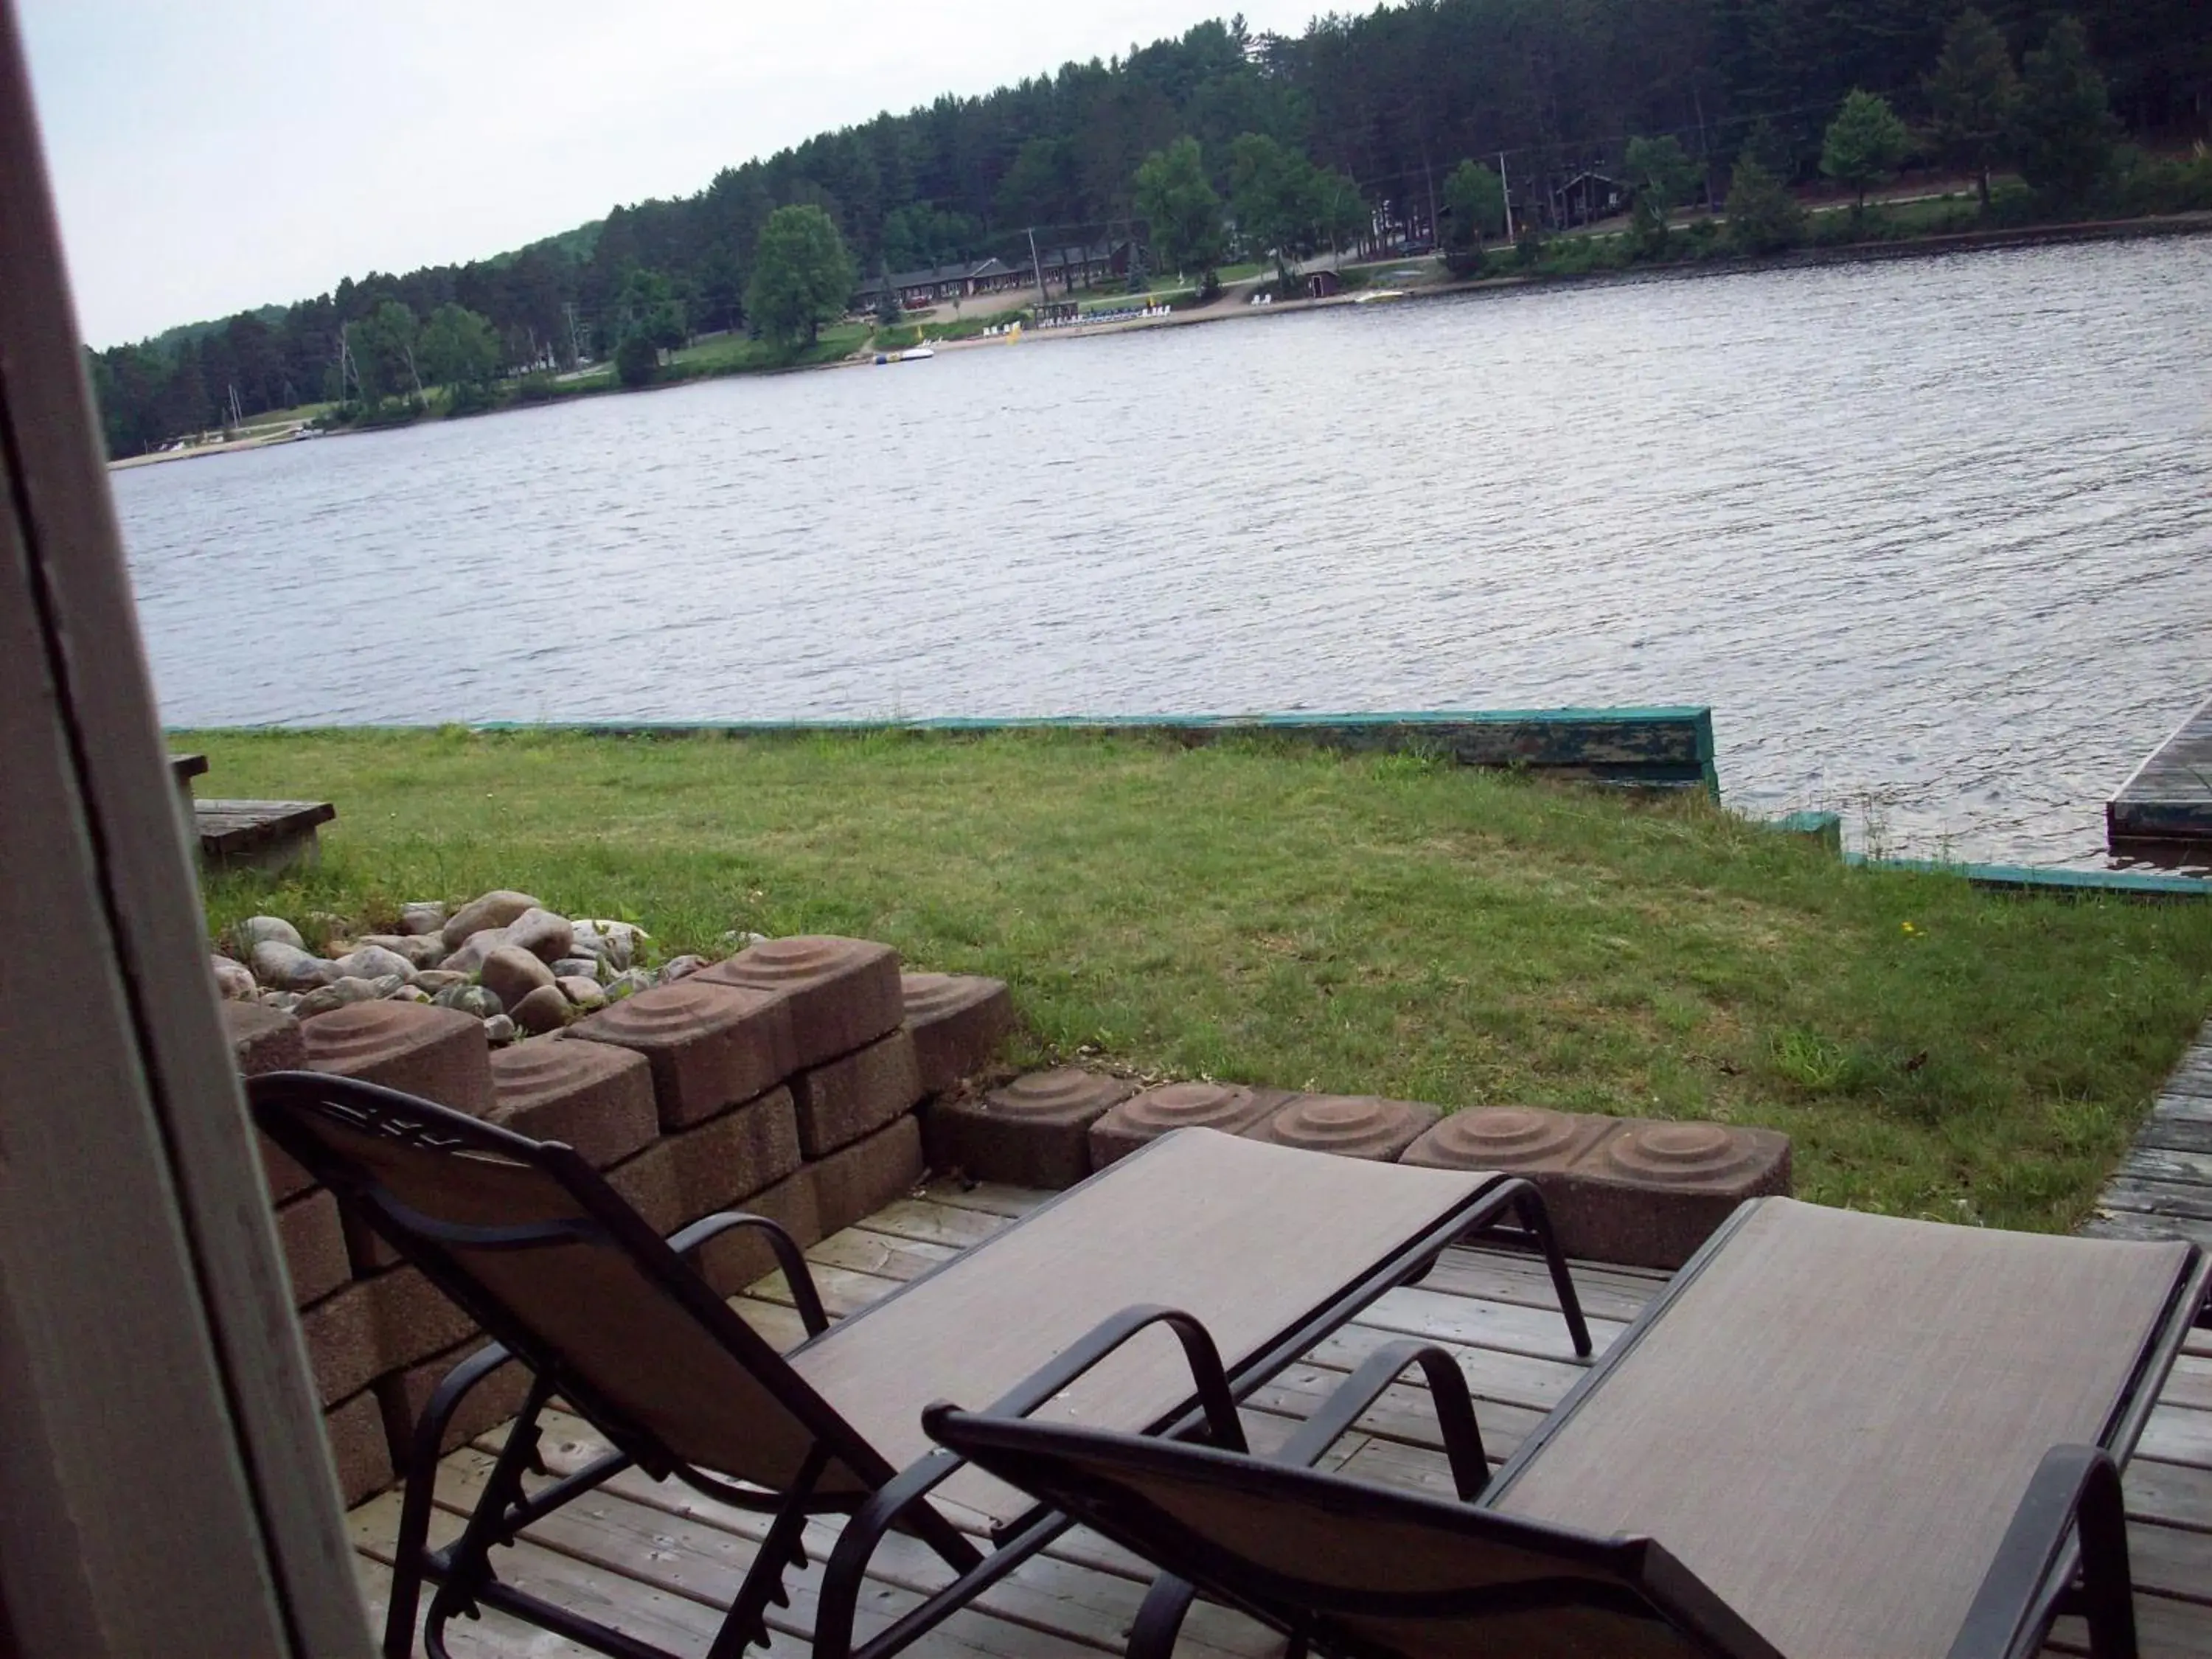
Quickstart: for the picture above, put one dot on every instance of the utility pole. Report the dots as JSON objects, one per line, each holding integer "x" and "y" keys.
{"x": 346, "y": 368}
{"x": 1036, "y": 269}
{"x": 1505, "y": 189}
{"x": 575, "y": 344}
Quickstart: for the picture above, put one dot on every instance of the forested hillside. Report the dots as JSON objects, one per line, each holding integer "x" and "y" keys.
{"x": 1394, "y": 100}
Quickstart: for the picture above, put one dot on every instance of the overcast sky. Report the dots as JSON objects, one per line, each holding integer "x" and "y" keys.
{"x": 215, "y": 156}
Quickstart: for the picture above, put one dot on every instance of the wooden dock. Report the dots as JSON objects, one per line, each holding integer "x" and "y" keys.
{"x": 2169, "y": 800}
{"x": 2163, "y": 1188}
{"x": 661, "y": 1560}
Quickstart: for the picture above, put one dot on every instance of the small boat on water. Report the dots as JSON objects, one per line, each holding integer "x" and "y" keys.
{"x": 1374, "y": 293}
{"x": 911, "y": 354}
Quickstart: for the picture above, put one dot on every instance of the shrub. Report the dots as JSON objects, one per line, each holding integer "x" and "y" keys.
{"x": 636, "y": 361}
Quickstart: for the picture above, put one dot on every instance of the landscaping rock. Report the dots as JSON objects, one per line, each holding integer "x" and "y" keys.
{"x": 1351, "y": 1125}
{"x": 590, "y": 968}
{"x": 628, "y": 982}
{"x": 233, "y": 982}
{"x": 473, "y": 1000}
{"x": 265, "y": 930}
{"x": 1035, "y": 1132}
{"x": 512, "y": 973}
{"x": 545, "y": 1009}
{"x": 284, "y": 1001}
{"x": 374, "y": 962}
{"x": 677, "y": 968}
{"x": 493, "y": 910}
{"x": 411, "y": 993}
{"x": 957, "y": 1022}
{"x": 421, "y": 950}
{"x": 474, "y": 949}
{"x": 546, "y": 936}
{"x": 844, "y": 993}
{"x": 422, "y": 917}
{"x": 501, "y": 1028}
{"x": 614, "y": 943}
{"x": 284, "y": 967}
{"x": 338, "y": 994}
{"x": 583, "y": 992}
{"x": 435, "y": 979}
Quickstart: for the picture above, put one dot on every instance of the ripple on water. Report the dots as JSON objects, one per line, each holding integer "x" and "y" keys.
{"x": 1931, "y": 538}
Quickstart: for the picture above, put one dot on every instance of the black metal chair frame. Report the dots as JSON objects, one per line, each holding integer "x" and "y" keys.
{"x": 463, "y": 1571}
{"x": 2064, "y": 1552}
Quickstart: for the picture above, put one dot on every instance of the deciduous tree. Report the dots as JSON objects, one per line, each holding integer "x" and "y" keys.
{"x": 1762, "y": 217}
{"x": 802, "y": 276}
{"x": 1661, "y": 177}
{"x": 1184, "y": 214}
{"x": 1475, "y": 197}
{"x": 1864, "y": 145}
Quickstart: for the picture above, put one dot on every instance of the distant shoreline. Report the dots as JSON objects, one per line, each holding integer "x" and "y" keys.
{"x": 1228, "y": 307}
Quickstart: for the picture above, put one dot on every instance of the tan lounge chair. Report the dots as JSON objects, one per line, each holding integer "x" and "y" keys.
{"x": 1834, "y": 1434}
{"x": 1272, "y": 1249}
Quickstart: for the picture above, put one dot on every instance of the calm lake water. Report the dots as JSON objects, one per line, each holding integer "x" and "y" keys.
{"x": 1933, "y": 539}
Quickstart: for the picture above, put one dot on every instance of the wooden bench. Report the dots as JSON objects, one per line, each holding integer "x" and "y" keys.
{"x": 261, "y": 834}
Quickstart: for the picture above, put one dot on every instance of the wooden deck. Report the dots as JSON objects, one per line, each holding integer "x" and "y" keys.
{"x": 2163, "y": 1188}
{"x": 2169, "y": 799}
{"x": 662, "y": 1561}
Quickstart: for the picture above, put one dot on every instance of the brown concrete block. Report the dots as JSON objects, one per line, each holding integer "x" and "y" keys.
{"x": 680, "y": 1177}
{"x": 737, "y": 1258}
{"x": 402, "y": 1396}
{"x": 709, "y": 1045}
{"x": 843, "y": 993}
{"x": 1521, "y": 1140}
{"x": 594, "y": 1096}
{"x": 855, "y": 1094}
{"x": 285, "y": 1177}
{"x": 1229, "y": 1107}
{"x": 263, "y": 1039}
{"x": 377, "y": 1325}
{"x": 434, "y": 1054}
{"x": 360, "y": 1455}
{"x": 1034, "y": 1132}
{"x": 1649, "y": 1193}
{"x": 863, "y": 1177}
{"x": 1351, "y": 1125}
{"x": 314, "y": 1246}
{"x": 957, "y": 1022}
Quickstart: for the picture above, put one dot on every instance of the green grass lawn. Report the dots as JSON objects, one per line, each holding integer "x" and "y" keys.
{"x": 731, "y": 353}
{"x": 1382, "y": 925}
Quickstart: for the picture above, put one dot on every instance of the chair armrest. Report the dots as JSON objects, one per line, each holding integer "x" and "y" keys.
{"x": 1214, "y": 1397}
{"x": 1447, "y": 1389}
{"x": 788, "y": 1257}
{"x": 2076, "y": 1488}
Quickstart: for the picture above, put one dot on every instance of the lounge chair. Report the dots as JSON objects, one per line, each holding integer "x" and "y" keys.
{"x": 1273, "y": 1248}
{"x": 1833, "y": 1434}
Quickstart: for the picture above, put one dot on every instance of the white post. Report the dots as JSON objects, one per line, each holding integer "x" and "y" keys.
{"x": 1505, "y": 189}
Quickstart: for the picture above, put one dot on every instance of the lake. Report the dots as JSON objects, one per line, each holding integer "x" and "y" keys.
{"x": 1933, "y": 538}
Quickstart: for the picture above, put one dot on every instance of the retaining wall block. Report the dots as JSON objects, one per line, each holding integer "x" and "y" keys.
{"x": 712, "y": 1165}
{"x": 740, "y": 1257}
{"x": 594, "y": 1097}
{"x": 844, "y": 993}
{"x": 957, "y": 1022}
{"x": 856, "y": 1094}
{"x": 314, "y": 1246}
{"x": 378, "y": 1325}
{"x": 709, "y": 1046}
{"x": 1034, "y": 1132}
{"x": 1351, "y": 1125}
{"x": 264, "y": 1039}
{"x": 863, "y": 1177}
{"x": 401, "y": 1396}
{"x": 1232, "y": 1107}
{"x": 1521, "y": 1140}
{"x": 1649, "y": 1193}
{"x": 360, "y": 1455}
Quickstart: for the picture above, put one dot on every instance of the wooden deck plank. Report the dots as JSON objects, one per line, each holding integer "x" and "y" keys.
{"x": 657, "y": 1557}
{"x": 2169, "y": 797}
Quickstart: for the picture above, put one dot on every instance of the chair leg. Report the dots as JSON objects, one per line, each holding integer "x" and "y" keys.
{"x": 468, "y": 1564}
{"x": 410, "y": 1551}
{"x": 783, "y": 1548}
{"x": 1528, "y": 1205}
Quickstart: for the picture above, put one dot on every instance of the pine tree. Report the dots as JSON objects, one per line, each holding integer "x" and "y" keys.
{"x": 1976, "y": 96}
{"x": 2065, "y": 131}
